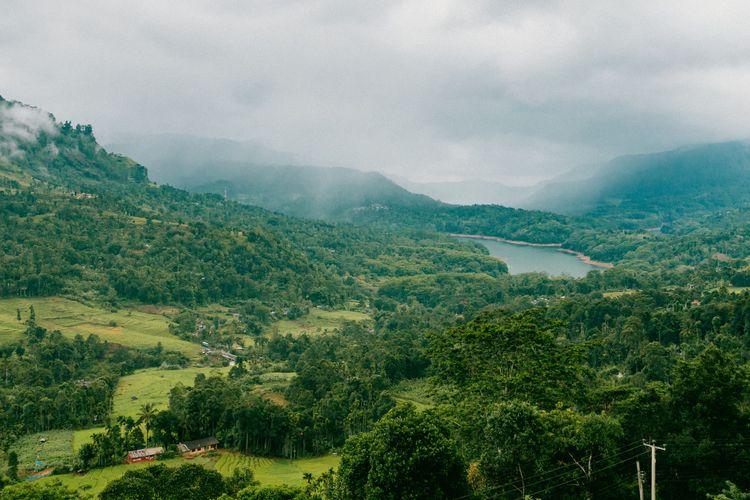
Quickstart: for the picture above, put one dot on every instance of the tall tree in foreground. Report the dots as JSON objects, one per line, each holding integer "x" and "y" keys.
{"x": 146, "y": 415}
{"x": 407, "y": 455}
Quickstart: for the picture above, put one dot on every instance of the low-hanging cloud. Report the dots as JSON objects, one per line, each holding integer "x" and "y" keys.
{"x": 22, "y": 124}
{"x": 426, "y": 89}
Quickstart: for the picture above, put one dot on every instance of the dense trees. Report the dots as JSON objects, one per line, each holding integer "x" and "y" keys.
{"x": 540, "y": 387}
{"x": 164, "y": 483}
{"x": 51, "y": 382}
{"x": 407, "y": 454}
{"x": 524, "y": 402}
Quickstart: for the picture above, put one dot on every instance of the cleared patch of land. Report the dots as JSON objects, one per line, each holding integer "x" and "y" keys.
{"x": 151, "y": 385}
{"x": 51, "y": 449}
{"x": 269, "y": 471}
{"x": 273, "y": 385}
{"x": 128, "y": 327}
{"x": 619, "y": 293}
{"x": 317, "y": 321}
{"x": 417, "y": 392}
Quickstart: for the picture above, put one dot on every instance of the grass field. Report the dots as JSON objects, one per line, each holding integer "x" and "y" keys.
{"x": 269, "y": 471}
{"x": 416, "y": 392}
{"x": 129, "y": 327}
{"x": 151, "y": 385}
{"x": 617, "y": 294}
{"x": 315, "y": 322}
{"x": 56, "y": 450}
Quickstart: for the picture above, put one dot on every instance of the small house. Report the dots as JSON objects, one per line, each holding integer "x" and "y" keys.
{"x": 229, "y": 357}
{"x": 144, "y": 455}
{"x": 199, "y": 446}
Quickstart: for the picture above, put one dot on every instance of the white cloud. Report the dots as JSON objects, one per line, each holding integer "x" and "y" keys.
{"x": 417, "y": 88}
{"x": 20, "y": 124}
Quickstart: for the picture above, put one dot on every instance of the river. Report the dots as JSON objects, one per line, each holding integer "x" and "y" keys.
{"x": 529, "y": 259}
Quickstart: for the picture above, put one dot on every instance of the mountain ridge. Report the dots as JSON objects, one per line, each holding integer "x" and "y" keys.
{"x": 329, "y": 193}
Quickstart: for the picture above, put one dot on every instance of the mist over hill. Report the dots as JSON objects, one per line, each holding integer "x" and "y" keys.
{"x": 688, "y": 179}
{"x": 255, "y": 175}
{"x": 470, "y": 191}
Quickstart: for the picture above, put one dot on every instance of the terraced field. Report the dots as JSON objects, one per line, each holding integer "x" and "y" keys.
{"x": 129, "y": 327}
{"x": 269, "y": 471}
{"x": 50, "y": 449}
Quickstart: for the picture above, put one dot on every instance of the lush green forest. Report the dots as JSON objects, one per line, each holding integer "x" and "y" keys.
{"x": 456, "y": 380}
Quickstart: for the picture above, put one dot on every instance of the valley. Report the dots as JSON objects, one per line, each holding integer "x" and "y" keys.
{"x": 346, "y": 345}
{"x": 541, "y": 258}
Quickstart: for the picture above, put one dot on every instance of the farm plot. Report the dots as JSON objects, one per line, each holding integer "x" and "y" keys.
{"x": 316, "y": 322}
{"x": 128, "y": 327}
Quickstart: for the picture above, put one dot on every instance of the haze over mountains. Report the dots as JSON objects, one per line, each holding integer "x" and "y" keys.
{"x": 255, "y": 175}
{"x": 692, "y": 178}
{"x": 470, "y": 191}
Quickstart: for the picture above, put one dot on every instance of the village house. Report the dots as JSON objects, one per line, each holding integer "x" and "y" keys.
{"x": 230, "y": 357}
{"x": 199, "y": 446}
{"x": 144, "y": 454}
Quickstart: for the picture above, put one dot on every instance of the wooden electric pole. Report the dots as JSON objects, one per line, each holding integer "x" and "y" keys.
{"x": 653, "y": 466}
{"x": 640, "y": 479}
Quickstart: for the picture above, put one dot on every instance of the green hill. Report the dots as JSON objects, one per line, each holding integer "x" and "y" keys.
{"x": 253, "y": 175}
{"x": 79, "y": 220}
{"x": 685, "y": 180}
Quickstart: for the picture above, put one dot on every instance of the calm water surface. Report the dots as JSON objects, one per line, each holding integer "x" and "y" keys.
{"x": 524, "y": 259}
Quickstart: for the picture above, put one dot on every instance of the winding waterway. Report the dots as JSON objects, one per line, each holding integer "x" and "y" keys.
{"x": 529, "y": 259}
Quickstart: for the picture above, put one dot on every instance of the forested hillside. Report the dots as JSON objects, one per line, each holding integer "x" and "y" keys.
{"x": 251, "y": 175}
{"x": 675, "y": 183}
{"x": 378, "y": 358}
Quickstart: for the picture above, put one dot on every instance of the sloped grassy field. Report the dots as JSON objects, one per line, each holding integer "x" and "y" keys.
{"x": 316, "y": 322}
{"x": 128, "y": 327}
{"x": 268, "y": 471}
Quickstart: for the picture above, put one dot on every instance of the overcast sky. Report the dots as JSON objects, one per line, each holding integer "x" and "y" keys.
{"x": 428, "y": 90}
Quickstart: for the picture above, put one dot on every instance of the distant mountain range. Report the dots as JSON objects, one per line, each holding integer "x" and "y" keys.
{"x": 671, "y": 183}
{"x": 254, "y": 175}
{"x": 470, "y": 191}
{"x": 703, "y": 177}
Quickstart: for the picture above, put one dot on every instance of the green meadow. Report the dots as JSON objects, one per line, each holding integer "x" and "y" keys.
{"x": 317, "y": 321}
{"x": 151, "y": 385}
{"x": 129, "y": 327}
{"x": 269, "y": 471}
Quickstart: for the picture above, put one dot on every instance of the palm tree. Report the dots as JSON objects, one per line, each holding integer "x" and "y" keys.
{"x": 148, "y": 412}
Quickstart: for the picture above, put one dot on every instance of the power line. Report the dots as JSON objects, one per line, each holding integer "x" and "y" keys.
{"x": 573, "y": 466}
{"x": 592, "y": 474}
{"x": 578, "y": 476}
{"x": 653, "y": 448}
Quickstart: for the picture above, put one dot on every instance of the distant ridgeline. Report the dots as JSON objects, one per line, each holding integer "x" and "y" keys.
{"x": 676, "y": 183}
{"x": 251, "y": 174}
{"x": 76, "y": 218}
{"x": 622, "y": 214}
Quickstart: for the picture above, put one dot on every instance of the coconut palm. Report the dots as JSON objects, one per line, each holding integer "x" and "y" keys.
{"x": 146, "y": 414}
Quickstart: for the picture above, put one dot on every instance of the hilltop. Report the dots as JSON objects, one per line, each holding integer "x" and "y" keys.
{"x": 678, "y": 182}
{"x": 255, "y": 175}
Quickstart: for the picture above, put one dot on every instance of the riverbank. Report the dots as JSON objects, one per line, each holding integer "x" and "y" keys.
{"x": 558, "y": 246}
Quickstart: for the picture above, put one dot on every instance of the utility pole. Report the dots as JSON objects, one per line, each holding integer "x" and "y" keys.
{"x": 653, "y": 465}
{"x": 640, "y": 478}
